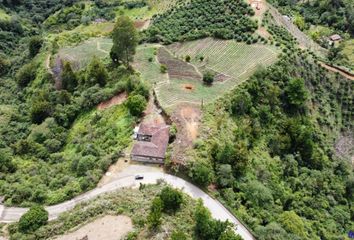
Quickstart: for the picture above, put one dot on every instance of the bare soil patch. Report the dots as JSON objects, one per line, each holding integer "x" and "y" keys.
{"x": 107, "y": 228}
{"x": 187, "y": 118}
{"x": 262, "y": 31}
{"x": 188, "y": 87}
{"x": 142, "y": 25}
{"x": 120, "y": 98}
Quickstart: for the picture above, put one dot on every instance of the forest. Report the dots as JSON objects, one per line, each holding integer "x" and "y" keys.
{"x": 220, "y": 19}
{"x": 268, "y": 146}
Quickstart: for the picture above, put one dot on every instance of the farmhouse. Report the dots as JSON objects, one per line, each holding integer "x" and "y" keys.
{"x": 151, "y": 145}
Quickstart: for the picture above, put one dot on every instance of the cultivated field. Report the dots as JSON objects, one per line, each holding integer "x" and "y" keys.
{"x": 82, "y": 54}
{"x": 232, "y": 63}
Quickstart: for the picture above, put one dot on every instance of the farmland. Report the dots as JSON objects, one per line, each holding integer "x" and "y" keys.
{"x": 82, "y": 54}
{"x": 232, "y": 62}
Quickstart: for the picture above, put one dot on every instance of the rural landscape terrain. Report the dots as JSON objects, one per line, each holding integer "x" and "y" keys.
{"x": 176, "y": 119}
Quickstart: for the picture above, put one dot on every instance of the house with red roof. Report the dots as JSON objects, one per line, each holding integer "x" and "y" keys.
{"x": 151, "y": 144}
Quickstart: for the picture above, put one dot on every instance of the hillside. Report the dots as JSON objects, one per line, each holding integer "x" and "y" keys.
{"x": 259, "y": 108}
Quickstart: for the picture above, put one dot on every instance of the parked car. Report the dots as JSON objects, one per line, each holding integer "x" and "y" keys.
{"x": 139, "y": 177}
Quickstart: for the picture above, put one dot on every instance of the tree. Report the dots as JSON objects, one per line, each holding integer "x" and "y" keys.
{"x": 96, "y": 73}
{"x": 154, "y": 217}
{"x": 4, "y": 64}
{"x": 36, "y": 217}
{"x": 224, "y": 175}
{"x": 206, "y": 227}
{"x": 201, "y": 174}
{"x": 68, "y": 77}
{"x": 35, "y": 45}
{"x": 125, "y": 41}
{"x": 292, "y": 223}
{"x": 296, "y": 92}
{"x": 40, "y": 110}
{"x": 188, "y": 58}
{"x": 171, "y": 198}
{"x": 26, "y": 74}
{"x": 208, "y": 77}
{"x": 6, "y": 164}
{"x": 136, "y": 105}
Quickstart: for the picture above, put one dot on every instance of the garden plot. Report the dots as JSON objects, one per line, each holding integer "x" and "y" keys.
{"x": 82, "y": 54}
{"x": 232, "y": 63}
{"x": 176, "y": 68}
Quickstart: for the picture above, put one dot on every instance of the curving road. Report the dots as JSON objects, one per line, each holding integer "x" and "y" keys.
{"x": 217, "y": 210}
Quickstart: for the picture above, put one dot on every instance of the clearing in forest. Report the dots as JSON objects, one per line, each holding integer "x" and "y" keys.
{"x": 81, "y": 55}
{"x": 230, "y": 61}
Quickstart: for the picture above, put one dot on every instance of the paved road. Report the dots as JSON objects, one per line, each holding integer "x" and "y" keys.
{"x": 127, "y": 180}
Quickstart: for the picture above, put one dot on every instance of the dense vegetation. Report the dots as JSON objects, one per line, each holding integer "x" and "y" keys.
{"x": 54, "y": 145}
{"x": 269, "y": 148}
{"x": 200, "y": 18}
{"x": 337, "y": 14}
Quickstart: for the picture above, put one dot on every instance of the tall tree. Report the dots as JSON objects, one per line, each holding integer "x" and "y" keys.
{"x": 96, "y": 73}
{"x": 125, "y": 41}
{"x": 68, "y": 77}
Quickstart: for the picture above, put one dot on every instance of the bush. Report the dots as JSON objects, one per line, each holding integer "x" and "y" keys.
{"x": 154, "y": 217}
{"x": 201, "y": 174}
{"x": 208, "y": 77}
{"x": 136, "y": 105}
{"x": 188, "y": 58}
{"x": 35, "y": 45}
{"x": 171, "y": 199}
{"x": 36, "y": 217}
{"x": 26, "y": 74}
{"x": 163, "y": 68}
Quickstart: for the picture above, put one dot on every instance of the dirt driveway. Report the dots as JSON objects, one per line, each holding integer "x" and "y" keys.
{"x": 187, "y": 118}
{"x": 107, "y": 228}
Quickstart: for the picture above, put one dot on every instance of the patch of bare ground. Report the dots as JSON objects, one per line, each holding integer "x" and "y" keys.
{"x": 142, "y": 25}
{"x": 116, "y": 100}
{"x": 107, "y": 228}
{"x": 262, "y": 31}
{"x": 345, "y": 147}
{"x": 187, "y": 118}
{"x": 188, "y": 87}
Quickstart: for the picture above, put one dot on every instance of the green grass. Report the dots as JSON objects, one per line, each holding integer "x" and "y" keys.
{"x": 236, "y": 60}
{"x": 82, "y": 54}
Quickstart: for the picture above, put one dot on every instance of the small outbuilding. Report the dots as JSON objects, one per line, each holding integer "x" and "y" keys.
{"x": 335, "y": 38}
{"x": 151, "y": 144}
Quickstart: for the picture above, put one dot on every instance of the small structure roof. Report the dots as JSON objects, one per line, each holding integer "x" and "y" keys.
{"x": 159, "y": 140}
{"x": 335, "y": 37}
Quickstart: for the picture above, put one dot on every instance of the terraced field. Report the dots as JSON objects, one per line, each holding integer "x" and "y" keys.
{"x": 82, "y": 54}
{"x": 232, "y": 62}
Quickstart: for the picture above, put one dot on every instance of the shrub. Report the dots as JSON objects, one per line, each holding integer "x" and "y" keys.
{"x": 35, "y": 45}
{"x": 26, "y": 74}
{"x": 171, "y": 199}
{"x": 188, "y": 58}
{"x": 136, "y": 105}
{"x": 154, "y": 217}
{"x": 163, "y": 68}
{"x": 36, "y": 217}
{"x": 201, "y": 174}
{"x": 208, "y": 77}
